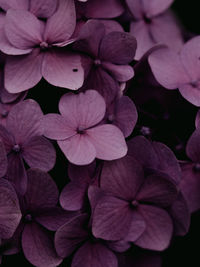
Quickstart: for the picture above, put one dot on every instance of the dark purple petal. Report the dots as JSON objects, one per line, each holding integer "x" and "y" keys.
{"x": 94, "y": 254}
{"x": 41, "y": 191}
{"x": 70, "y": 236}
{"x": 193, "y": 146}
{"x": 159, "y": 228}
{"x": 24, "y": 121}
{"x": 10, "y": 214}
{"x": 38, "y": 246}
{"x": 3, "y": 160}
{"x": 39, "y": 153}
{"x": 118, "y": 48}
{"x": 122, "y": 178}
{"x": 77, "y": 173}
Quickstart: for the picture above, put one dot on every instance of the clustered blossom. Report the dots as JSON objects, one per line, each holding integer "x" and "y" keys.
{"x": 122, "y": 189}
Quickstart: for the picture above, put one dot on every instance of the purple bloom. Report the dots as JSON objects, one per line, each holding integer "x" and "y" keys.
{"x": 22, "y": 138}
{"x": 110, "y": 55}
{"x": 76, "y": 235}
{"x": 122, "y": 113}
{"x": 41, "y": 216}
{"x": 99, "y": 9}
{"x": 36, "y": 49}
{"x": 10, "y": 214}
{"x": 153, "y": 24}
{"x": 77, "y": 131}
{"x": 40, "y": 8}
{"x": 180, "y": 71}
{"x": 3, "y": 160}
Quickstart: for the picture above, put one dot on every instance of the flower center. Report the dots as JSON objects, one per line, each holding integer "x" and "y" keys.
{"x": 111, "y": 117}
{"x": 80, "y": 130}
{"x": 97, "y": 62}
{"x": 134, "y": 204}
{"x": 146, "y": 131}
{"x": 4, "y": 113}
{"x": 147, "y": 20}
{"x": 16, "y": 148}
{"x": 194, "y": 84}
{"x": 28, "y": 218}
{"x": 196, "y": 167}
{"x": 44, "y": 45}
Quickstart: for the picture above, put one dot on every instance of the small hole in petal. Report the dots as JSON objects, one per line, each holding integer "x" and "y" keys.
{"x": 75, "y": 70}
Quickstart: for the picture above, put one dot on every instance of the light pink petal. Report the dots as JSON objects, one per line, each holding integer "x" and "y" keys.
{"x": 98, "y": 9}
{"x": 159, "y": 228}
{"x": 7, "y": 48}
{"x": 166, "y": 30}
{"x": 122, "y": 178}
{"x": 23, "y": 29}
{"x": 38, "y": 246}
{"x": 15, "y": 4}
{"x": 144, "y": 40}
{"x": 121, "y": 73}
{"x": 78, "y": 149}
{"x": 63, "y": 69}
{"x": 190, "y": 58}
{"x": 94, "y": 254}
{"x": 39, "y": 153}
{"x": 23, "y": 121}
{"x": 167, "y": 68}
{"x": 191, "y": 93}
{"x": 136, "y": 8}
{"x": 10, "y": 213}
{"x": 118, "y": 48}
{"x": 89, "y": 37}
{"x": 126, "y": 115}
{"x": 43, "y": 8}
{"x": 155, "y": 7}
{"x": 57, "y": 127}
{"x": 23, "y": 72}
{"x": 108, "y": 141}
{"x": 61, "y": 25}
{"x": 16, "y": 173}
{"x": 3, "y": 160}
{"x": 41, "y": 191}
{"x": 83, "y": 110}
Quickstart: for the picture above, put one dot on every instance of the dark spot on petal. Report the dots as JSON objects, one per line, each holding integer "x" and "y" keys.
{"x": 4, "y": 113}
{"x": 75, "y": 70}
{"x": 196, "y": 167}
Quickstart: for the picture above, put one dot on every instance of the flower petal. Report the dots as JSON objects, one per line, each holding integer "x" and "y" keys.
{"x": 94, "y": 254}
{"x": 41, "y": 191}
{"x": 24, "y": 121}
{"x": 167, "y": 68}
{"x": 39, "y": 153}
{"x": 193, "y": 146}
{"x": 83, "y": 110}
{"x": 10, "y": 213}
{"x": 155, "y": 7}
{"x": 23, "y": 72}
{"x": 63, "y": 69}
{"x": 122, "y": 178}
{"x": 121, "y": 73}
{"x": 191, "y": 93}
{"x": 118, "y": 48}
{"x": 71, "y": 235}
{"x": 15, "y": 4}
{"x": 61, "y": 25}
{"x": 159, "y": 228}
{"x": 43, "y": 8}
{"x": 78, "y": 149}
{"x": 3, "y": 160}
{"x": 23, "y": 29}
{"x": 38, "y": 246}
{"x": 108, "y": 141}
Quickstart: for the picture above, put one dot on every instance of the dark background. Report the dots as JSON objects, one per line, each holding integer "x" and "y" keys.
{"x": 184, "y": 251}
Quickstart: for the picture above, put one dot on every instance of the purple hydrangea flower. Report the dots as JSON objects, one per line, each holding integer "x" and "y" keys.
{"x": 153, "y": 23}
{"x": 40, "y": 218}
{"x": 40, "y": 8}
{"x": 99, "y": 9}
{"x": 36, "y": 49}
{"x": 78, "y": 132}
{"x": 22, "y": 138}
{"x": 109, "y": 54}
{"x": 3, "y": 160}
{"x": 180, "y": 71}
{"x": 76, "y": 235}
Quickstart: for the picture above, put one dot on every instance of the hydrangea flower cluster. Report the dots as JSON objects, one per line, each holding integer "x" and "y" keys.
{"x": 128, "y": 186}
